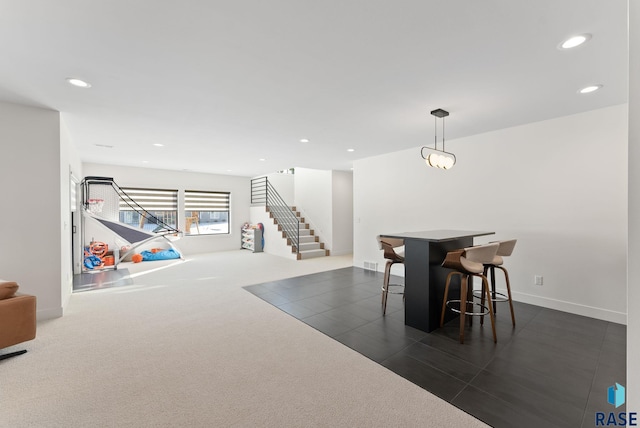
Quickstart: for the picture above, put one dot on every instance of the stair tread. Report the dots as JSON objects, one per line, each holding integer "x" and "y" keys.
{"x": 311, "y": 254}
{"x": 309, "y": 246}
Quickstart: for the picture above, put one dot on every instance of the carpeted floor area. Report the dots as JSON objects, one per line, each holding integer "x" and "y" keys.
{"x": 187, "y": 346}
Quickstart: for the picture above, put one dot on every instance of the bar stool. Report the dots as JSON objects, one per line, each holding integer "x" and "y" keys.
{"x": 504, "y": 250}
{"x": 467, "y": 263}
{"x": 393, "y": 253}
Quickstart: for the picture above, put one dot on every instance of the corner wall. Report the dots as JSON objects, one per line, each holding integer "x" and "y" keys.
{"x": 342, "y": 212}
{"x": 558, "y": 186}
{"x": 633, "y": 276}
{"x": 313, "y": 197}
{"x": 30, "y": 221}
{"x": 70, "y": 164}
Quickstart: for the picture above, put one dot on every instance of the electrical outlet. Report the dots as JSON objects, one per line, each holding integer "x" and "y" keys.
{"x": 537, "y": 279}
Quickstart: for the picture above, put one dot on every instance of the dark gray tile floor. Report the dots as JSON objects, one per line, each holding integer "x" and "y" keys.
{"x": 552, "y": 370}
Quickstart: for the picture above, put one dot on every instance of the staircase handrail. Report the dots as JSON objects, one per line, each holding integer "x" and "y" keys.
{"x": 284, "y": 216}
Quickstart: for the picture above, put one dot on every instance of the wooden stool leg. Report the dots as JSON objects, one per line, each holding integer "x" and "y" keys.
{"x": 469, "y": 298}
{"x": 482, "y": 293}
{"x": 489, "y": 304}
{"x": 385, "y": 293}
{"x": 463, "y": 305}
{"x": 385, "y": 281}
{"x": 506, "y": 277}
{"x": 493, "y": 287}
{"x": 483, "y": 296}
{"x": 444, "y": 299}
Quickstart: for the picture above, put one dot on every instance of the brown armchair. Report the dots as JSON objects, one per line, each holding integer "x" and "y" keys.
{"x": 17, "y": 317}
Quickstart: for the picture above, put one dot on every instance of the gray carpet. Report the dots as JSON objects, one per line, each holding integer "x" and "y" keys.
{"x": 186, "y": 346}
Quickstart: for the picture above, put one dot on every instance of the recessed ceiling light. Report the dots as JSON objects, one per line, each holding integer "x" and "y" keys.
{"x": 351, "y": 150}
{"x": 262, "y": 159}
{"x": 145, "y": 161}
{"x": 304, "y": 140}
{"x": 78, "y": 83}
{"x": 575, "y": 41}
{"x": 158, "y": 145}
{"x": 589, "y": 89}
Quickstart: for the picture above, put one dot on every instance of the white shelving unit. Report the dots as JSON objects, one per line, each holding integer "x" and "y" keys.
{"x": 252, "y": 239}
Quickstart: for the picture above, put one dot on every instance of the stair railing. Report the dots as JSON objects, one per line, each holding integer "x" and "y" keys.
{"x": 263, "y": 192}
{"x": 259, "y": 191}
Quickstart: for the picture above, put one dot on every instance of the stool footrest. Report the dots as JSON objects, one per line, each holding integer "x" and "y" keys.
{"x": 495, "y": 296}
{"x": 394, "y": 285}
{"x": 484, "y": 310}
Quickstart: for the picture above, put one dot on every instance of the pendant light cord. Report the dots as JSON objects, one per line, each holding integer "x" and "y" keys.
{"x": 435, "y": 133}
{"x": 435, "y": 137}
{"x": 443, "y": 149}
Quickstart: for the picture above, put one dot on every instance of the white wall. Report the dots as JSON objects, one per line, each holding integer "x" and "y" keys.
{"x": 284, "y": 185}
{"x": 313, "y": 197}
{"x": 342, "y": 212}
{"x": 558, "y": 186}
{"x": 166, "y": 179}
{"x": 30, "y": 219}
{"x": 633, "y": 290}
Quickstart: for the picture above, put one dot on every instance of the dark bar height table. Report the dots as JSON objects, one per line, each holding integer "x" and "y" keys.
{"x": 424, "y": 278}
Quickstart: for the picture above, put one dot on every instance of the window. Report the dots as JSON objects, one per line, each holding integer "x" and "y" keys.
{"x": 161, "y": 204}
{"x": 206, "y": 213}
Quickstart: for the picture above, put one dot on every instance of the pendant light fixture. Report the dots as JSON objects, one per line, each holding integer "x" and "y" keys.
{"x": 434, "y": 157}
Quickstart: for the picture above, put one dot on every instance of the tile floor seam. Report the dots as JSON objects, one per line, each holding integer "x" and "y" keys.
{"x": 545, "y": 416}
{"x": 593, "y": 379}
{"x": 506, "y": 403}
{"x": 528, "y": 389}
{"x": 442, "y": 371}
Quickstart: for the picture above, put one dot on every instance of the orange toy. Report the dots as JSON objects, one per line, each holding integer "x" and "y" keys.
{"x": 136, "y": 258}
{"x": 98, "y": 249}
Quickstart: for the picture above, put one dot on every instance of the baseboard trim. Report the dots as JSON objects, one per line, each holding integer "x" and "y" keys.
{"x": 341, "y": 253}
{"x": 48, "y": 314}
{"x": 573, "y": 308}
{"x": 545, "y": 302}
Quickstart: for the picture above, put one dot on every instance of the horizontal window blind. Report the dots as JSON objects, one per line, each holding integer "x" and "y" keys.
{"x": 206, "y": 201}
{"x": 149, "y": 199}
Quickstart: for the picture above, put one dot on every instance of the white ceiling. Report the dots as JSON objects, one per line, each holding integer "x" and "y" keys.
{"x": 224, "y": 83}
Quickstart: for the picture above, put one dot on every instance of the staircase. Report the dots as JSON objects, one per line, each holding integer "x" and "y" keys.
{"x": 309, "y": 243}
